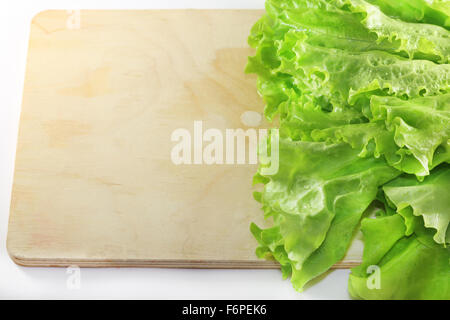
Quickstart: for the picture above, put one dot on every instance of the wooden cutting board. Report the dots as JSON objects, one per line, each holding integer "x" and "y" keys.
{"x": 94, "y": 182}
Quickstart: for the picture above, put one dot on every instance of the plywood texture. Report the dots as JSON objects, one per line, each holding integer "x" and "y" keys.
{"x": 94, "y": 182}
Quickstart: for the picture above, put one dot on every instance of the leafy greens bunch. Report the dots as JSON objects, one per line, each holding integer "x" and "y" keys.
{"x": 361, "y": 93}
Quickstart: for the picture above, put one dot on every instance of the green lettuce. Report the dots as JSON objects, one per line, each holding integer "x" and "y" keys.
{"x": 316, "y": 204}
{"x": 323, "y": 73}
{"x": 361, "y": 26}
{"x": 361, "y": 92}
{"x": 428, "y": 199}
{"x": 424, "y": 41}
{"x": 413, "y": 135}
{"x": 407, "y": 267}
{"x": 423, "y": 11}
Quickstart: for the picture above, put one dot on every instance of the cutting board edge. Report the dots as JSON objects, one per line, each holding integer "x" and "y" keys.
{"x": 175, "y": 264}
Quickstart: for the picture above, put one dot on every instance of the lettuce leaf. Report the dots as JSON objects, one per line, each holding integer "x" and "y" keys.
{"x": 420, "y": 127}
{"x": 406, "y": 267}
{"x": 360, "y": 26}
{"x": 418, "y": 41}
{"x": 423, "y": 11}
{"x": 323, "y": 73}
{"x": 428, "y": 199}
{"x": 413, "y": 135}
{"x": 316, "y": 204}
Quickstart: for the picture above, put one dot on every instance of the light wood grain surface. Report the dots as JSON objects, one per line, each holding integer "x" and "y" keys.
{"x": 94, "y": 182}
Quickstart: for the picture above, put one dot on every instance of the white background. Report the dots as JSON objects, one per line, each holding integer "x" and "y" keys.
{"x": 51, "y": 283}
